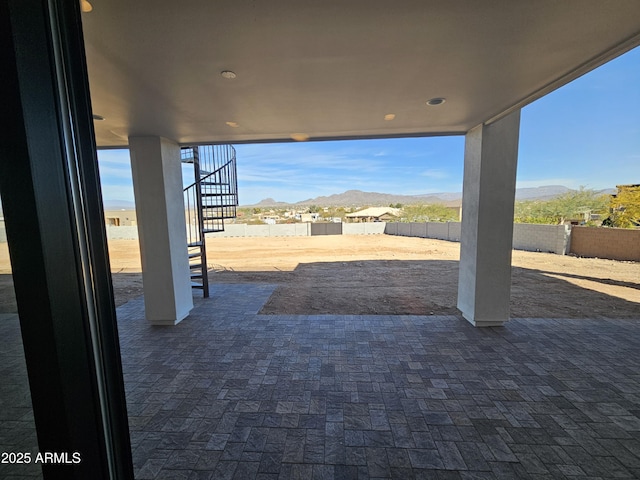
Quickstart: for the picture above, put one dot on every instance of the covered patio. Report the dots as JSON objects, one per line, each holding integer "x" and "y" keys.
{"x": 229, "y": 393}
{"x": 191, "y": 388}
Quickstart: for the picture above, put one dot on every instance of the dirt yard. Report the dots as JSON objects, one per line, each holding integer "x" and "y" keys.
{"x": 382, "y": 274}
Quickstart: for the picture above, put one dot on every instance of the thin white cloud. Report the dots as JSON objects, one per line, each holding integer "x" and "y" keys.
{"x": 304, "y": 156}
{"x": 114, "y": 164}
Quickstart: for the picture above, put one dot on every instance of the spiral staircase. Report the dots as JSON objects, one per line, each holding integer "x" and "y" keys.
{"x": 209, "y": 201}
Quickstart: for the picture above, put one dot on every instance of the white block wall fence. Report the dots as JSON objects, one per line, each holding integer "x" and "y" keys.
{"x": 542, "y": 238}
{"x": 278, "y": 230}
{"x": 532, "y": 237}
{"x": 374, "y": 228}
{"x": 122, "y": 233}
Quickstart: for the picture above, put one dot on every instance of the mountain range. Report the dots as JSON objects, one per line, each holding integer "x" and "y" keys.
{"x": 359, "y": 198}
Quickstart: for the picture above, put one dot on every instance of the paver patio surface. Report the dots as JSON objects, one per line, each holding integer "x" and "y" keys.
{"x": 229, "y": 393}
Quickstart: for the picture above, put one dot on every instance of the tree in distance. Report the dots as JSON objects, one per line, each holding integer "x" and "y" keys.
{"x": 429, "y": 213}
{"x": 625, "y": 208}
{"x": 573, "y": 205}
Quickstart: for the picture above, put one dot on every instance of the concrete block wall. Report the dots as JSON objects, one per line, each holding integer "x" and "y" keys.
{"x": 541, "y": 238}
{"x": 391, "y": 228}
{"x": 438, "y": 230}
{"x": 326, "y": 228}
{"x": 232, "y": 230}
{"x": 612, "y": 243}
{"x": 455, "y": 231}
{"x": 365, "y": 228}
{"x": 278, "y": 230}
{"x": 122, "y": 233}
{"x": 418, "y": 230}
{"x": 404, "y": 229}
{"x": 376, "y": 228}
{"x": 258, "y": 230}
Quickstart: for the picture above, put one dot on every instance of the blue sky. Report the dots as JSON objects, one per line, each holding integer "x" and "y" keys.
{"x": 585, "y": 133}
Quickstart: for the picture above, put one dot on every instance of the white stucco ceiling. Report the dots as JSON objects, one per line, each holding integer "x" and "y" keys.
{"x": 335, "y": 68}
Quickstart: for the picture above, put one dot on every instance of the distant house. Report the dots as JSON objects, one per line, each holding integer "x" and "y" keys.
{"x": 307, "y": 217}
{"x": 120, "y": 218}
{"x": 374, "y": 214}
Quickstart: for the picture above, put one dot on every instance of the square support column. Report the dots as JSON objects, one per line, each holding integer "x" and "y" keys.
{"x": 490, "y": 160}
{"x": 157, "y": 185}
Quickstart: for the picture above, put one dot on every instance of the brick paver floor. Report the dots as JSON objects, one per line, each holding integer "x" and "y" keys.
{"x": 230, "y": 394}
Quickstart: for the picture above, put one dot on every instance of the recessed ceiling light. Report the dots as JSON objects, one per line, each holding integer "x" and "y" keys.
{"x": 300, "y": 137}
{"x": 85, "y": 6}
{"x": 389, "y": 116}
{"x": 233, "y": 124}
{"x": 98, "y": 117}
{"x": 436, "y": 101}
{"x": 228, "y": 74}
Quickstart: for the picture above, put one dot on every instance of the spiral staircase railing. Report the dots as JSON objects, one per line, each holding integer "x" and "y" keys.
{"x": 209, "y": 200}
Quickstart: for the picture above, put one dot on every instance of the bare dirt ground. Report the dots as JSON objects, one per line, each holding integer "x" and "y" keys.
{"x": 382, "y": 274}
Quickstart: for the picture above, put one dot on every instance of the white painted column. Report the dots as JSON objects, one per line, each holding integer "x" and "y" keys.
{"x": 157, "y": 185}
{"x": 490, "y": 160}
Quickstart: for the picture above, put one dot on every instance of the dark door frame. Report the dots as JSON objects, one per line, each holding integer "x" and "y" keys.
{"x": 57, "y": 242}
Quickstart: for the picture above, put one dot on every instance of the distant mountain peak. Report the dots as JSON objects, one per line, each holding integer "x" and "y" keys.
{"x": 270, "y": 202}
{"x": 359, "y": 198}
